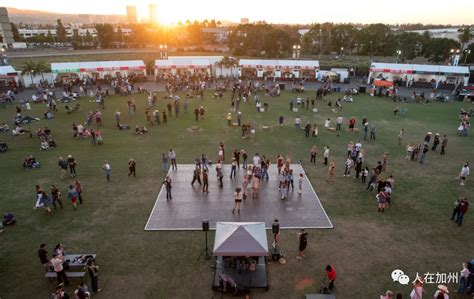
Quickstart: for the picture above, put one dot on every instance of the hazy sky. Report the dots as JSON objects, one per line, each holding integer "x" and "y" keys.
{"x": 275, "y": 11}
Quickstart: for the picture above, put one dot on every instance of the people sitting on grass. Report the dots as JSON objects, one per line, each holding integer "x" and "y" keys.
{"x": 4, "y": 128}
{"x": 140, "y": 130}
{"x": 8, "y": 219}
{"x": 44, "y": 145}
{"x": 18, "y": 131}
{"x": 70, "y": 110}
{"x": 30, "y": 163}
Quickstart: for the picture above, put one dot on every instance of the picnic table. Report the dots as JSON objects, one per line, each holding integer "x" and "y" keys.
{"x": 74, "y": 262}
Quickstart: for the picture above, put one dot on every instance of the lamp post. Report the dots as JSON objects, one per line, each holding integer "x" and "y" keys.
{"x": 342, "y": 51}
{"x": 296, "y": 51}
{"x": 320, "y": 41}
{"x": 3, "y": 57}
{"x": 164, "y": 51}
{"x": 467, "y": 52}
{"x": 454, "y": 56}
{"x": 399, "y": 52}
{"x": 370, "y": 50}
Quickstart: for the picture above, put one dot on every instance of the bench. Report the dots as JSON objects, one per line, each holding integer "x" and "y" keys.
{"x": 52, "y": 275}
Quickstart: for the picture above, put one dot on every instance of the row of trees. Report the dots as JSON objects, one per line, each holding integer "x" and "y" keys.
{"x": 371, "y": 40}
{"x": 32, "y": 68}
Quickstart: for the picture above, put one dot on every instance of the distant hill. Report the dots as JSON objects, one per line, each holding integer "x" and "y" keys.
{"x": 45, "y": 17}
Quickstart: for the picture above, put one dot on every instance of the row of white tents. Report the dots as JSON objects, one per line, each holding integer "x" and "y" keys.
{"x": 255, "y": 68}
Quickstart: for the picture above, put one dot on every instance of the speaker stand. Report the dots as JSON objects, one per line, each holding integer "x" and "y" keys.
{"x": 206, "y": 250}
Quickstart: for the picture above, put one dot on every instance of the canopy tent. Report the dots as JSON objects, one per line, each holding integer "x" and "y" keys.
{"x": 187, "y": 63}
{"x": 7, "y": 73}
{"x": 277, "y": 68}
{"x": 240, "y": 239}
{"x": 405, "y": 73}
{"x": 101, "y": 68}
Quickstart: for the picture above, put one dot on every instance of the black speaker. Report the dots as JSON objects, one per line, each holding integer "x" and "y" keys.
{"x": 205, "y": 225}
{"x": 362, "y": 89}
{"x": 282, "y": 86}
{"x": 276, "y": 227}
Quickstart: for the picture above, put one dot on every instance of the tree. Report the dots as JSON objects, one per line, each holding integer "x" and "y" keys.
{"x": 61, "y": 31}
{"x": 410, "y": 44}
{"x": 16, "y": 34}
{"x": 469, "y": 54}
{"x": 42, "y": 67}
{"x": 438, "y": 49}
{"x": 29, "y": 68}
{"x": 465, "y": 36}
{"x": 105, "y": 35}
{"x": 376, "y": 39}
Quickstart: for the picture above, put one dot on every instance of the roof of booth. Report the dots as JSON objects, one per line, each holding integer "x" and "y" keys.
{"x": 240, "y": 239}
{"x": 418, "y": 68}
{"x": 77, "y": 67}
{"x": 255, "y": 63}
{"x": 7, "y": 69}
{"x": 187, "y": 61}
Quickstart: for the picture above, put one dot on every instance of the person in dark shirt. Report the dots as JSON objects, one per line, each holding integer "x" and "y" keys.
{"x": 43, "y": 256}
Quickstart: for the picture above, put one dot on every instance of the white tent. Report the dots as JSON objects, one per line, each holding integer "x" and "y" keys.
{"x": 240, "y": 239}
{"x": 393, "y": 71}
{"x": 188, "y": 63}
{"x": 297, "y": 68}
{"x": 8, "y": 73}
{"x": 102, "y": 68}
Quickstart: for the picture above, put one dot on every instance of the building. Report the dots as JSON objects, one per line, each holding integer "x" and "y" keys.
{"x": 132, "y": 14}
{"x": 153, "y": 10}
{"x": 244, "y": 21}
{"x": 216, "y": 35}
{"x": 5, "y": 27}
{"x": 26, "y": 33}
{"x": 451, "y": 33}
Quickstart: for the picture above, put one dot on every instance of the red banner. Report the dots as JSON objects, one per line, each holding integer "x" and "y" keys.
{"x": 383, "y": 83}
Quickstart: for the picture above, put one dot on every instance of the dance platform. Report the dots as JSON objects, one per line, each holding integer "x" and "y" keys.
{"x": 189, "y": 206}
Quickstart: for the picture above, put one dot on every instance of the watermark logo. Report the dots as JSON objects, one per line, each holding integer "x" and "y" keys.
{"x": 399, "y": 276}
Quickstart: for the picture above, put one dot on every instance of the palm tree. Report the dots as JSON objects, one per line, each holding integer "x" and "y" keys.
{"x": 29, "y": 68}
{"x": 42, "y": 67}
{"x": 220, "y": 64}
{"x": 232, "y": 63}
{"x": 465, "y": 36}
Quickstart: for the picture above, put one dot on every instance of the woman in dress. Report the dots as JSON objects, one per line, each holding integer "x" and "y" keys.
{"x": 303, "y": 242}
{"x": 238, "y": 195}
{"x": 255, "y": 186}
{"x": 331, "y": 170}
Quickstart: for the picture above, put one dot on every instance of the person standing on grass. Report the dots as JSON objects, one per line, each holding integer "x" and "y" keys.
{"x": 464, "y": 279}
{"x": 164, "y": 162}
{"x": 307, "y": 129}
{"x": 331, "y": 170}
{"x": 331, "y": 275}
{"x": 43, "y": 256}
{"x": 93, "y": 272}
{"x": 237, "y": 157}
{"x": 46, "y": 202}
{"x": 326, "y": 154}
{"x": 384, "y": 161}
{"x": 463, "y": 207}
{"x": 302, "y": 243}
{"x": 196, "y": 114}
{"x": 444, "y": 144}
{"x": 436, "y": 142}
{"x": 56, "y": 196}
{"x": 456, "y": 208}
{"x": 196, "y": 176}
{"x": 372, "y": 132}
{"x": 244, "y": 158}
{"x": 205, "y": 181}
{"x": 172, "y": 157}
{"x": 107, "y": 170}
{"x": 348, "y": 166}
{"x": 57, "y": 263}
{"x": 297, "y": 122}
{"x": 365, "y": 174}
{"x": 464, "y": 173}
{"x": 313, "y": 152}
{"x": 132, "y": 167}
{"x": 72, "y": 195}
{"x": 165, "y": 117}
{"x": 382, "y": 198}
{"x": 281, "y": 119}
{"x": 339, "y": 121}
{"x": 78, "y": 187}
{"x": 63, "y": 164}
{"x": 400, "y": 136}
{"x": 424, "y": 151}
{"x": 237, "y": 200}
{"x": 167, "y": 182}
{"x": 72, "y": 165}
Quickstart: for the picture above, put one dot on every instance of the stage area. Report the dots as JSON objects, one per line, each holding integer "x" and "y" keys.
{"x": 190, "y": 206}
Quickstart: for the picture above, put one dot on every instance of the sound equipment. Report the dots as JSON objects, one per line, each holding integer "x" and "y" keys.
{"x": 205, "y": 225}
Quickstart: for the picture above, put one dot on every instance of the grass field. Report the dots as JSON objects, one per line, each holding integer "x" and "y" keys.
{"x": 414, "y": 234}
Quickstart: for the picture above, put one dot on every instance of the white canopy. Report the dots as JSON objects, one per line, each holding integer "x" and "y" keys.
{"x": 418, "y": 69}
{"x": 7, "y": 70}
{"x": 268, "y": 63}
{"x": 240, "y": 239}
{"x": 97, "y": 66}
{"x": 184, "y": 62}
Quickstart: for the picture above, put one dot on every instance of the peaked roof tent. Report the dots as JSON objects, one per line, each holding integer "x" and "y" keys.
{"x": 187, "y": 62}
{"x": 261, "y": 63}
{"x": 418, "y": 68}
{"x": 93, "y": 66}
{"x": 240, "y": 239}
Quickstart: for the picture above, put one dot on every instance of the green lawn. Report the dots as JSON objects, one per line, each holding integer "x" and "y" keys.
{"x": 415, "y": 234}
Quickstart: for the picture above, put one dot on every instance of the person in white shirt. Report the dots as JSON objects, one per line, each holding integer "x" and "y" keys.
{"x": 326, "y": 155}
{"x": 339, "y": 121}
{"x": 442, "y": 292}
{"x": 297, "y": 122}
{"x": 256, "y": 160}
{"x": 172, "y": 157}
{"x": 327, "y": 123}
{"x": 463, "y": 281}
{"x": 464, "y": 173}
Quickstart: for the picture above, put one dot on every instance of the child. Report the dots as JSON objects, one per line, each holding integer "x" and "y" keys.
{"x": 364, "y": 174}
{"x": 300, "y": 183}
{"x": 283, "y": 192}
